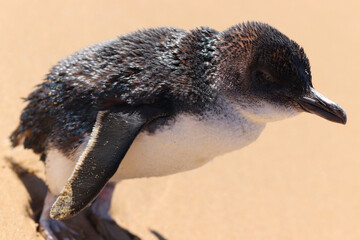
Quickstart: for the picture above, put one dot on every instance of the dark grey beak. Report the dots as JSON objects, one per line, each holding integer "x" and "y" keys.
{"x": 317, "y": 104}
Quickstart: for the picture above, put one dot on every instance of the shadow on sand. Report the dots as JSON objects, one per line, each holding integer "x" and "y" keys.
{"x": 82, "y": 223}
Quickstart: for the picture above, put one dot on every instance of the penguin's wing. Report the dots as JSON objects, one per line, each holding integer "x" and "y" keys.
{"x": 112, "y": 135}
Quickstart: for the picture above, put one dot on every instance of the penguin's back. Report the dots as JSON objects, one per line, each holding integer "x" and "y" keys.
{"x": 143, "y": 67}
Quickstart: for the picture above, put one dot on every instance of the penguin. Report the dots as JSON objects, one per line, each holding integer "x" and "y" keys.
{"x": 156, "y": 102}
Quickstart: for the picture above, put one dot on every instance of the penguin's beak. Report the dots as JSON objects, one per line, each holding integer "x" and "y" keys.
{"x": 317, "y": 104}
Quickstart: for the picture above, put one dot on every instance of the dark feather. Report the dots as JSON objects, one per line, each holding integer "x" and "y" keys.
{"x": 144, "y": 67}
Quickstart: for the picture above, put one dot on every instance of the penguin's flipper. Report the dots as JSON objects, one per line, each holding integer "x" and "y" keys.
{"x": 112, "y": 135}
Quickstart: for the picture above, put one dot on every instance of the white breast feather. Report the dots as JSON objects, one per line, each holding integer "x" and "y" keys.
{"x": 187, "y": 144}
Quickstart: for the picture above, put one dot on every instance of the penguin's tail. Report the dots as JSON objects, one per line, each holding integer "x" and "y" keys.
{"x": 16, "y": 137}
{"x": 35, "y": 124}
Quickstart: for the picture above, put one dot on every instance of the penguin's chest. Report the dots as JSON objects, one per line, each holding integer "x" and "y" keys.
{"x": 186, "y": 144}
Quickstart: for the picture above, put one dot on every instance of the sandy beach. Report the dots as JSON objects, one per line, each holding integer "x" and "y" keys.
{"x": 299, "y": 180}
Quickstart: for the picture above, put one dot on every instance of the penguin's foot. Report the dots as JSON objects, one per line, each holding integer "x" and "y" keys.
{"x": 101, "y": 206}
{"x": 53, "y": 229}
{"x": 101, "y": 219}
{"x": 93, "y": 223}
{"x": 108, "y": 229}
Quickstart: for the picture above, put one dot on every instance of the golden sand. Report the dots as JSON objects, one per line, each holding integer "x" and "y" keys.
{"x": 299, "y": 180}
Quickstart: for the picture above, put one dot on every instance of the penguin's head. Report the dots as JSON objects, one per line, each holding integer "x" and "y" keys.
{"x": 268, "y": 76}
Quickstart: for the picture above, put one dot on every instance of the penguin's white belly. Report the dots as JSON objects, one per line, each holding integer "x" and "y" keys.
{"x": 187, "y": 144}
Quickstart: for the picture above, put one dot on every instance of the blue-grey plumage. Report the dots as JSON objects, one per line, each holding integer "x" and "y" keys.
{"x": 161, "y": 101}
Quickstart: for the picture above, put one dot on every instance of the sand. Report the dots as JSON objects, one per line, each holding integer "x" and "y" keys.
{"x": 299, "y": 180}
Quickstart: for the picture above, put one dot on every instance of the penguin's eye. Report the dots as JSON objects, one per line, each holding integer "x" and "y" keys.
{"x": 264, "y": 77}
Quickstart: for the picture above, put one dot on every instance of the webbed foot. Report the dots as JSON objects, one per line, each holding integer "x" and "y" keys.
{"x": 53, "y": 229}
{"x": 93, "y": 223}
{"x": 101, "y": 219}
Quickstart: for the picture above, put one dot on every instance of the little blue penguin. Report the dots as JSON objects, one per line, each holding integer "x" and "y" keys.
{"x": 157, "y": 102}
